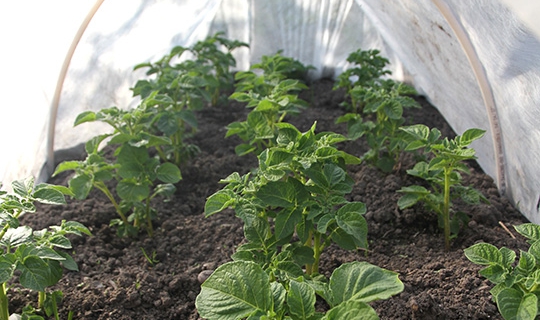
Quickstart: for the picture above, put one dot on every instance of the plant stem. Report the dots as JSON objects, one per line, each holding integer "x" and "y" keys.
{"x": 317, "y": 248}
{"x": 41, "y": 299}
{"x": 309, "y": 243}
{"x": 101, "y": 186}
{"x": 4, "y": 306}
{"x": 55, "y": 307}
{"x": 149, "y": 227}
{"x": 446, "y": 208}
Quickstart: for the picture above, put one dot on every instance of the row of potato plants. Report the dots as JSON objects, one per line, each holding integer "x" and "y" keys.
{"x": 149, "y": 145}
{"x": 376, "y": 107}
{"x": 34, "y": 258}
{"x": 288, "y": 204}
{"x": 293, "y": 206}
{"x": 150, "y": 141}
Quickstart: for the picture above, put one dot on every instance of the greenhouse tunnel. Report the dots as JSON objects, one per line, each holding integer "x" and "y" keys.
{"x": 477, "y": 62}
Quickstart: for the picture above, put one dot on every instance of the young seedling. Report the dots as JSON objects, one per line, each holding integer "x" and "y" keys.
{"x": 299, "y": 189}
{"x": 191, "y": 82}
{"x": 443, "y": 174}
{"x": 261, "y": 127}
{"x": 36, "y": 256}
{"x": 368, "y": 69}
{"x": 134, "y": 169}
{"x": 243, "y": 290}
{"x": 383, "y": 104}
{"x": 517, "y": 285}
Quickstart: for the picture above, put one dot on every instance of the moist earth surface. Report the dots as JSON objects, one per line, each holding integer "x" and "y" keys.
{"x": 117, "y": 281}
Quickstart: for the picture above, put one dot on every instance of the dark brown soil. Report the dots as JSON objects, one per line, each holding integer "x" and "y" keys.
{"x": 116, "y": 281}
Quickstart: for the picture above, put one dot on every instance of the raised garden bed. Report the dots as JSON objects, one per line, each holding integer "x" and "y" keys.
{"x": 117, "y": 281}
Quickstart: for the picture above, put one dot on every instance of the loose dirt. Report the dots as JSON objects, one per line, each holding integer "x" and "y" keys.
{"x": 116, "y": 281}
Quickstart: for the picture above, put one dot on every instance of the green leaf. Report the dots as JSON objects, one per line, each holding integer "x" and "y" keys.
{"x": 286, "y": 221}
{"x": 363, "y": 282}
{"x": 49, "y": 196}
{"x": 513, "y": 304}
{"x": 234, "y": 291}
{"x": 256, "y": 230}
{"x": 81, "y": 185}
{"x": 393, "y": 110}
{"x": 484, "y": 254}
{"x": 470, "y": 135}
{"x": 279, "y": 293}
{"x": 351, "y": 310}
{"x": 494, "y": 273}
{"x": 132, "y": 190}
{"x": 244, "y": 148}
{"x": 218, "y": 202}
{"x": 417, "y": 132}
{"x": 60, "y": 241}
{"x": 168, "y": 173}
{"x": 300, "y": 300}
{"x": 67, "y": 165}
{"x": 290, "y": 269}
{"x": 132, "y": 160}
{"x": 350, "y": 219}
{"x": 168, "y": 124}
{"x": 68, "y": 263}
{"x": 164, "y": 190}
{"x": 508, "y": 257}
{"x": 343, "y": 239}
{"x": 277, "y": 194}
{"x": 87, "y": 116}
{"x": 24, "y": 187}
{"x": 7, "y": 267}
{"x": 408, "y": 200}
{"x": 534, "y": 249}
{"x": 14, "y": 237}
{"x": 35, "y": 273}
{"x": 529, "y": 230}
{"x": 526, "y": 264}
{"x": 46, "y": 253}
{"x": 303, "y": 255}
{"x": 188, "y": 117}
{"x": 75, "y": 227}
{"x": 92, "y": 145}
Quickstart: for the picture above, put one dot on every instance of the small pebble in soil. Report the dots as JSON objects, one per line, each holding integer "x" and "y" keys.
{"x": 204, "y": 275}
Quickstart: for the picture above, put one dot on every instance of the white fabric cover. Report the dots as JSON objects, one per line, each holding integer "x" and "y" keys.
{"x": 418, "y": 36}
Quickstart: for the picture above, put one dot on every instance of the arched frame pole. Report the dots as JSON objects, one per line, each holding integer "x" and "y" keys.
{"x": 60, "y": 83}
{"x": 485, "y": 89}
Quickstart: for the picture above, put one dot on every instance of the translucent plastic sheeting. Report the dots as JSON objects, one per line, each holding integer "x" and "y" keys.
{"x": 416, "y": 35}
{"x": 426, "y": 44}
{"x": 35, "y": 36}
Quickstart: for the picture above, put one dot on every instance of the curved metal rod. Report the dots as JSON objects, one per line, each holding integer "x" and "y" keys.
{"x": 60, "y": 83}
{"x": 485, "y": 89}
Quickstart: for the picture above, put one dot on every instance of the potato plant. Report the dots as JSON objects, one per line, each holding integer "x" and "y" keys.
{"x": 442, "y": 172}
{"x": 272, "y": 94}
{"x": 178, "y": 89}
{"x": 298, "y": 190}
{"x": 517, "y": 285}
{"x": 204, "y": 76}
{"x": 294, "y": 206}
{"x": 135, "y": 170}
{"x": 265, "y": 75}
{"x": 368, "y": 68}
{"x": 36, "y": 256}
{"x": 260, "y": 129}
{"x": 383, "y": 103}
{"x": 243, "y": 290}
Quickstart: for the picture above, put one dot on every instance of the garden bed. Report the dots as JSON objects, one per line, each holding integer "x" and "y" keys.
{"x": 117, "y": 281}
